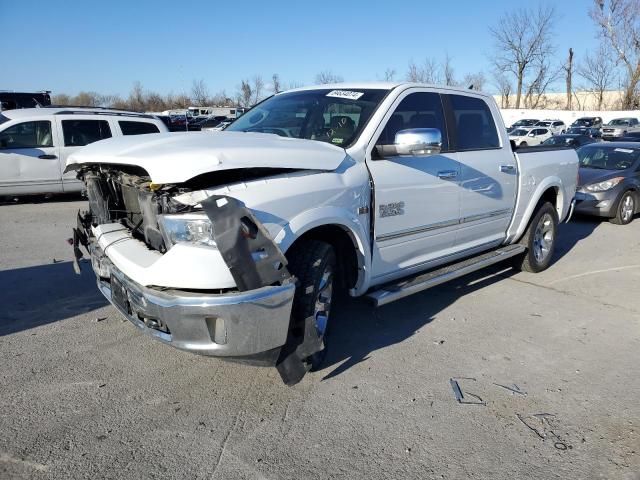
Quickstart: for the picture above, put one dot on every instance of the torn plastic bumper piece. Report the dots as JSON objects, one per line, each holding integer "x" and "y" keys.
{"x": 255, "y": 261}
{"x": 80, "y": 238}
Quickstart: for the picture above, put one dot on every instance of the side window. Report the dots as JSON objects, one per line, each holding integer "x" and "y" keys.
{"x": 137, "y": 128}
{"x": 417, "y": 110}
{"x": 78, "y": 133}
{"x": 27, "y": 135}
{"x": 475, "y": 127}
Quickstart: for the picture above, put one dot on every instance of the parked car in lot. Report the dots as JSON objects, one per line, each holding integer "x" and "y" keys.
{"x": 35, "y": 144}
{"x": 609, "y": 181}
{"x": 212, "y": 122}
{"x": 631, "y": 137}
{"x": 619, "y": 128}
{"x": 591, "y": 132}
{"x": 10, "y": 100}
{"x": 219, "y": 127}
{"x": 588, "y": 122}
{"x": 568, "y": 140}
{"x": 528, "y": 137}
{"x": 556, "y": 127}
{"x": 234, "y": 244}
{"x": 523, "y": 122}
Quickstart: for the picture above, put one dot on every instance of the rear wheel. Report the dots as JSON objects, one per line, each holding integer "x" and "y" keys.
{"x": 540, "y": 240}
{"x": 524, "y": 144}
{"x": 626, "y": 210}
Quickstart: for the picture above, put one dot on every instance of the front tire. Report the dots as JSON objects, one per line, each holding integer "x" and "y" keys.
{"x": 314, "y": 264}
{"x": 524, "y": 144}
{"x": 540, "y": 240}
{"x": 626, "y": 210}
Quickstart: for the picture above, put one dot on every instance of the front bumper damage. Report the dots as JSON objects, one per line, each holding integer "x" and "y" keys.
{"x": 251, "y": 323}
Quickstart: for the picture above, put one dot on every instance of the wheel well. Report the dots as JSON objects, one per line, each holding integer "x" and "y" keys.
{"x": 344, "y": 245}
{"x": 550, "y": 195}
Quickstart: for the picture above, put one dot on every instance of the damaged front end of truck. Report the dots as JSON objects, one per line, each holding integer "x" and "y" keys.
{"x": 133, "y": 223}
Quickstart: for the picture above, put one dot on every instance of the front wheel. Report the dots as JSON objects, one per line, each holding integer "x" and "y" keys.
{"x": 524, "y": 144}
{"x": 314, "y": 265}
{"x": 626, "y": 210}
{"x": 540, "y": 240}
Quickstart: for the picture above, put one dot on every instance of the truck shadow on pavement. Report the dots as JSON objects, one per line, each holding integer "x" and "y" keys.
{"x": 358, "y": 328}
{"x": 44, "y": 294}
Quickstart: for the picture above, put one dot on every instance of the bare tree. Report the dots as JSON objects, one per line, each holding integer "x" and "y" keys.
{"x": 327, "y": 76}
{"x": 502, "y": 82}
{"x": 598, "y": 71}
{"x": 245, "y": 95}
{"x": 522, "y": 39}
{"x": 475, "y": 81}
{"x": 545, "y": 75}
{"x": 448, "y": 73}
{"x": 619, "y": 24}
{"x": 275, "y": 83}
{"x": 258, "y": 85}
{"x": 388, "y": 75}
{"x": 568, "y": 69}
{"x": 200, "y": 93}
{"x": 428, "y": 72}
{"x": 136, "y": 97}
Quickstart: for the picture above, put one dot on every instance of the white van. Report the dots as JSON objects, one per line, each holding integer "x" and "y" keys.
{"x": 35, "y": 144}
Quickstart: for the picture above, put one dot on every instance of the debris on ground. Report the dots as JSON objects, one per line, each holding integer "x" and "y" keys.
{"x": 542, "y": 425}
{"x": 464, "y": 398}
{"x": 100, "y": 319}
{"x": 514, "y": 389}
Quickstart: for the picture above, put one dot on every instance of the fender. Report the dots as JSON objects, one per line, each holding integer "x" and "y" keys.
{"x": 521, "y": 220}
{"x": 326, "y": 216}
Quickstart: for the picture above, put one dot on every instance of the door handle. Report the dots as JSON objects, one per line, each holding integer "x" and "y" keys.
{"x": 508, "y": 168}
{"x": 47, "y": 157}
{"x": 447, "y": 174}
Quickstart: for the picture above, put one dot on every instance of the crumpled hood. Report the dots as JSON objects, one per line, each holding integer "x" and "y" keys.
{"x": 178, "y": 157}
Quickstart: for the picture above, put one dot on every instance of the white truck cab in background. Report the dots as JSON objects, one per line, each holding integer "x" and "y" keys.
{"x": 36, "y": 142}
{"x": 233, "y": 243}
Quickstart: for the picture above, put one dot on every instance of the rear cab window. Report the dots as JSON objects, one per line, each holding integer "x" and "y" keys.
{"x": 78, "y": 133}
{"x": 475, "y": 126}
{"x": 129, "y": 127}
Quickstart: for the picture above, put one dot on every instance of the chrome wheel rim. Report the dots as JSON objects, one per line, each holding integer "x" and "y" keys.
{"x": 543, "y": 238}
{"x": 323, "y": 301}
{"x": 627, "y": 208}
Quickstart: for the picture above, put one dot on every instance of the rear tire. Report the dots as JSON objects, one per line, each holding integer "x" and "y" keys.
{"x": 626, "y": 210}
{"x": 524, "y": 144}
{"x": 540, "y": 240}
{"x": 314, "y": 264}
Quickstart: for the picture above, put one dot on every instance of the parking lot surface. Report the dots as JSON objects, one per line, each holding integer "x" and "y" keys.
{"x": 549, "y": 363}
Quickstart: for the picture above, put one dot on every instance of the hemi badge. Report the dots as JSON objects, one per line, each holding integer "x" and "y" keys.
{"x": 363, "y": 210}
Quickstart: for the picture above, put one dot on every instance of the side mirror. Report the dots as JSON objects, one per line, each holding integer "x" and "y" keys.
{"x": 414, "y": 142}
{"x": 531, "y": 134}
{"x": 3, "y": 143}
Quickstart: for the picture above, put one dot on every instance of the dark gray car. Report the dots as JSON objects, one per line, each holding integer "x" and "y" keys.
{"x": 609, "y": 181}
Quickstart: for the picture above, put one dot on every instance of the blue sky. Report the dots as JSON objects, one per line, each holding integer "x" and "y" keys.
{"x": 68, "y": 46}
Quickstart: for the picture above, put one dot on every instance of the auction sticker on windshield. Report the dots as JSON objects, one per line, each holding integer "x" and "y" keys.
{"x": 345, "y": 94}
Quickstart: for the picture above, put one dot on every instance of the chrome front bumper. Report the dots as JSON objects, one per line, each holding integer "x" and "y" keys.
{"x": 235, "y": 324}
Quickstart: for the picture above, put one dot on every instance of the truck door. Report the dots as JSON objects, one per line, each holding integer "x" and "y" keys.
{"x": 488, "y": 173}
{"x": 29, "y": 161}
{"x": 75, "y": 134}
{"x": 417, "y": 198}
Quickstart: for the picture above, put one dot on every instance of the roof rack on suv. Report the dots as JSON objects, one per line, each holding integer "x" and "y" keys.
{"x": 69, "y": 110}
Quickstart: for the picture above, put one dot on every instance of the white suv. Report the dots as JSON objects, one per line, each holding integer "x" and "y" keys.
{"x": 35, "y": 144}
{"x": 557, "y": 127}
{"x": 528, "y": 137}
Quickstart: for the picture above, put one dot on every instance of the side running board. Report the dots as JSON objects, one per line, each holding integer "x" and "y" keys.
{"x": 408, "y": 286}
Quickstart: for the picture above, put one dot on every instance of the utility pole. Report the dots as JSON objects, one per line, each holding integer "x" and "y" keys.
{"x": 569, "y": 69}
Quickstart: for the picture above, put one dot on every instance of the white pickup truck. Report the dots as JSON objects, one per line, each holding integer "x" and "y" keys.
{"x": 234, "y": 243}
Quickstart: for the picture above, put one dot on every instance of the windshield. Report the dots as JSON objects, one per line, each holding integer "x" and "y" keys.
{"x": 620, "y": 121}
{"x": 519, "y": 132}
{"x": 608, "y": 158}
{"x": 332, "y": 116}
{"x": 582, "y": 122}
{"x": 544, "y": 124}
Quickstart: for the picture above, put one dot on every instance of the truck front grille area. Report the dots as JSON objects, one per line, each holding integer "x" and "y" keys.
{"x": 127, "y": 199}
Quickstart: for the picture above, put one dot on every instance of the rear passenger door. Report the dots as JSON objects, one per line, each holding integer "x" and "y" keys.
{"x": 488, "y": 173}
{"x": 75, "y": 133}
